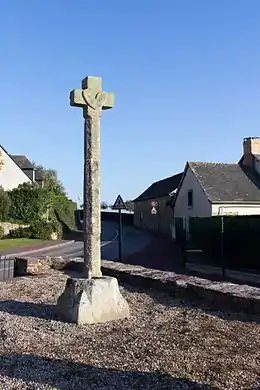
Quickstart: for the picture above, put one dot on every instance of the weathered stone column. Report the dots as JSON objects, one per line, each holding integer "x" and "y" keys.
{"x": 93, "y": 101}
{"x": 91, "y": 190}
{"x": 92, "y": 298}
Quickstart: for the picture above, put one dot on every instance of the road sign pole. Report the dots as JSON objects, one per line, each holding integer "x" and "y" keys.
{"x": 120, "y": 236}
{"x": 119, "y": 205}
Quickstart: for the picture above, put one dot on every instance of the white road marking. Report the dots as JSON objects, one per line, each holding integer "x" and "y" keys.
{"x": 76, "y": 254}
{"x": 113, "y": 239}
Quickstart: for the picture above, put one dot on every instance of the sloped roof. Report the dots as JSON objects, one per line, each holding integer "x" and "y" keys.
{"x": 22, "y": 161}
{"x": 227, "y": 182}
{"x": 12, "y": 158}
{"x": 161, "y": 188}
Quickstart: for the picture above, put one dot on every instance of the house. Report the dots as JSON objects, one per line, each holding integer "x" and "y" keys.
{"x": 11, "y": 175}
{"x": 152, "y": 209}
{"x": 28, "y": 168}
{"x": 16, "y": 170}
{"x": 208, "y": 189}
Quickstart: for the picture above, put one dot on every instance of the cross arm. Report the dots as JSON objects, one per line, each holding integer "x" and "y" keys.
{"x": 76, "y": 98}
{"x": 109, "y": 101}
{"x": 82, "y": 98}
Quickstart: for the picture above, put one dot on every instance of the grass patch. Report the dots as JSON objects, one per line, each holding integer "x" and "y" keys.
{"x": 8, "y": 243}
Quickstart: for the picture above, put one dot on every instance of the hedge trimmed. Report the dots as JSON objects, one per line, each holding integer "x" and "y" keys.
{"x": 228, "y": 240}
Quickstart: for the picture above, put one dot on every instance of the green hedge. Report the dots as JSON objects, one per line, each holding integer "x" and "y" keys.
{"x": 64, "y": 212}
{"x": 5, "y": 204}
{"x": 236, "y": 247}
{"x": 28, "y": 203}
{"x": 41, "y": 230}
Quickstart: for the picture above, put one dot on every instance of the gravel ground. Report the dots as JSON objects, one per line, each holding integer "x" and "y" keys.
{"x": 164, "y": 345}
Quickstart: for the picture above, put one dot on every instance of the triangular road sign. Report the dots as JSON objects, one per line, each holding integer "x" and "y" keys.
{"x": 119, "y": 204}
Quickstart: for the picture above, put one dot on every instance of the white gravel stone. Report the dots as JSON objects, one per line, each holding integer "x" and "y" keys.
{"x": 164, "y": 344}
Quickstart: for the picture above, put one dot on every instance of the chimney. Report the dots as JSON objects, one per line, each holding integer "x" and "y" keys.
{"x": 251, "y": 146}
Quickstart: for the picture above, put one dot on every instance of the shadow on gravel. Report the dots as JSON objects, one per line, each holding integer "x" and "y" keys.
{"x": 28, "y": 309}
{"x": 64, "y": 375}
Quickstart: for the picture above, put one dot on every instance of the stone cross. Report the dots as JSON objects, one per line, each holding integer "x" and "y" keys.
{"x": 91, "y": 98}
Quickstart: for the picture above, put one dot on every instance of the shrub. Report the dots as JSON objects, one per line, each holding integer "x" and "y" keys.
{"x": 56, "y": 228}
{"x": 41, "y": 230}
{"x": 20, "y": 232}
{"x": 64, "y": 212}
{"x": 29, "y": 203}
{"x": 2, "y": 232}
{"x": 5, "y": 204}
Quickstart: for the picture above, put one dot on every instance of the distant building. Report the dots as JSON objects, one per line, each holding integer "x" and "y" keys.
{"x": 204, "y": 189}
{"x": 16, "y": 170}
{"x": 27, "y": 167}
{"x": 209, "y": 189}
{"x": 157, "y": 218}
{"x": 11, "y": 175}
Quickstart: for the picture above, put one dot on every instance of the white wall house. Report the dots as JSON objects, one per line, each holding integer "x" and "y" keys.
{"x": 209, "y": 189}
{"x": 191, "y": 200}
{"x": 10, "y": 173}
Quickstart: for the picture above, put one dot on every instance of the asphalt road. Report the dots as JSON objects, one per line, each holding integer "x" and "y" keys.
{"x": 133, "y": 241}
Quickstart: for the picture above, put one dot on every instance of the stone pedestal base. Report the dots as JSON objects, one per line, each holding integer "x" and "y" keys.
{"x": 89, "y": 301}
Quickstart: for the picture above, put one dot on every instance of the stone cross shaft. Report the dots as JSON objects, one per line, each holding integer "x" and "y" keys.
{"x": 91, "y": 98}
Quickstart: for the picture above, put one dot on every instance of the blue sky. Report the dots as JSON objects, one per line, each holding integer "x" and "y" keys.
{"x": 186, "y": 75}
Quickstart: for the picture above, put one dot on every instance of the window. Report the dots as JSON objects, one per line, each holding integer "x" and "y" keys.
{"x": 190, "y": 198}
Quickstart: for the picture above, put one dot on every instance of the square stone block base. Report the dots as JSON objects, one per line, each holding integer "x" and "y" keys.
{"x": 89, "y": 301}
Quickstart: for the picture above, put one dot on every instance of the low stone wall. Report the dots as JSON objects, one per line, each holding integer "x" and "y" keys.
{"x": 34, "y": 266}
{"x": 219, "y": 295}
{"x": 7, "y": 226}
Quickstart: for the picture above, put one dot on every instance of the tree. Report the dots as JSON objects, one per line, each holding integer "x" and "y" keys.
{"x": 103, "y": 206}
{"x": 29, "y": 202}
{"x": 50, "y": 179}
{"x": 129, "y": 205}
{"x": 60, "y": 208}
